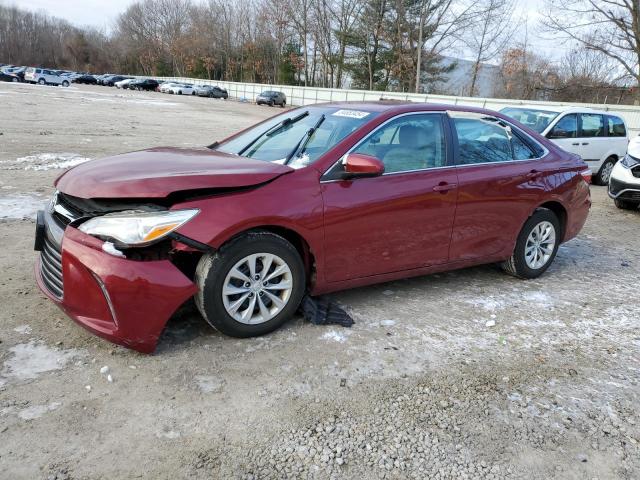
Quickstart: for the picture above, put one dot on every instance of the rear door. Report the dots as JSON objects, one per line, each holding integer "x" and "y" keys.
{"x": 616, "y": 132}
{"x": 500, "y": 179}
{"x": 594, "y": 145}
{"x": 401, "y": 219}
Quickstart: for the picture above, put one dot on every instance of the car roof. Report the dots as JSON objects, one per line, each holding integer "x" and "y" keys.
{"x": 404, "y": 106}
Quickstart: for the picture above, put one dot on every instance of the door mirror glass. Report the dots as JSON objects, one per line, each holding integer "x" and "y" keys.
{"x": 361, "y": 165}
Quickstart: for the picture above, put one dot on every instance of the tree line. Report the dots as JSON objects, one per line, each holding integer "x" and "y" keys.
{"x": 387, "y": 45}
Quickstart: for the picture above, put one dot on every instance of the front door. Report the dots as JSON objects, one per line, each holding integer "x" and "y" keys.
{"x": 402, "y": 219}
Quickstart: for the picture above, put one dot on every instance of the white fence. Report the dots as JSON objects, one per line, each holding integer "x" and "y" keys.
{"x": 298, "y": 96}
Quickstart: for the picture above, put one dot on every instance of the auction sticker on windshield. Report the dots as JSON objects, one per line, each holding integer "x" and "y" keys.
{"x": 350, "y": 113}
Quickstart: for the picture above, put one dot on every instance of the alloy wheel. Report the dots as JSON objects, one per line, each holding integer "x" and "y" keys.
{"x": 540, "y": 245}
{"x": 607, "y": 168}
{"x": 257, "y": 288}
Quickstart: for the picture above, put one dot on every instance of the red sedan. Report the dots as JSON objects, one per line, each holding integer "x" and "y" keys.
{"x": 317, "y": 199}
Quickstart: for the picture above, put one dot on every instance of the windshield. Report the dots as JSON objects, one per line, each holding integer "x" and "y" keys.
{"x": 278, "y": 138}
{"x": 536, "y": 120}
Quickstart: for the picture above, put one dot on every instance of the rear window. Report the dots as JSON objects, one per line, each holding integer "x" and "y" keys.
{"x": 537, "y": 120}
{"x": 615, "y": 127}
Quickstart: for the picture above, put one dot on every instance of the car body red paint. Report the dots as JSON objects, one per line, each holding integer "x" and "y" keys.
{"x": 352, "y": 232}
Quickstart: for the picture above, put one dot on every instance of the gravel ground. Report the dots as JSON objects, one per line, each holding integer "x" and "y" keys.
{"x": 468, "y": 374}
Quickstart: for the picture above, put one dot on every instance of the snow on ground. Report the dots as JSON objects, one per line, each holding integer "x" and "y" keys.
{"x": 44, "y": 161}
{"x": 20, "y": 206}
{"x": 36, "y": 411}
{"x": 32, "y": 359}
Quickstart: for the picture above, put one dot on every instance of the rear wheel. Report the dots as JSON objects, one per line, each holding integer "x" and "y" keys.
{"x": 271, "y": 103}
{"x": 251, "y": 286}
{"x": 536, "y": 246}
{"x": 41, "y": 81}
{"x": 284, "y": 103}
{"x": 604, "y": 174}
{"x": 65, "y": 83}
{"x": 626, "y": 204}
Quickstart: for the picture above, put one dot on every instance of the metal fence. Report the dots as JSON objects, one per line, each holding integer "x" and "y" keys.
{"x": 298, "y": 96}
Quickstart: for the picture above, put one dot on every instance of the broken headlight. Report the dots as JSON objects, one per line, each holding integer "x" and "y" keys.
{"x": 135, "y": 228}
{"x": 629, "y": 161}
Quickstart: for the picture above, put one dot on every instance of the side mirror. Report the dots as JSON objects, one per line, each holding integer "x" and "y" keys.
{"x": 361, "y": 165}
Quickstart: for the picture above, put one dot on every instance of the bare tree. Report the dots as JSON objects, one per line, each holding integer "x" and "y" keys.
{"x": 611, "y": 27}
{"x": 489, "y": 33}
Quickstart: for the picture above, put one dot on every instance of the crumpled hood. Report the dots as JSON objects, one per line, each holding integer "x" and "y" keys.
{"x": 158, "y": 172}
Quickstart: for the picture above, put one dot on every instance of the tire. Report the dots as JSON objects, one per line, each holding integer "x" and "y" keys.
{"x": 41, "y": 81}
{"x": 213, "y": 273}
{"x": 517, "y": 265}
{"x": 179, "y": 92}
{"x": 271, "y": 103}
{"x": 14, "y": 80}
{"x": 603, "y": 175}
{"x": 65, "y": 83}
{"x": 284, "y": 103}
{"x": 626, "y": 204}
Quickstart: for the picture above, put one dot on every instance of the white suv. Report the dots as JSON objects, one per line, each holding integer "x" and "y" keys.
{"x": 599, "y": 137}
{"x": 624, "y": 184}
{"x": 43, "y": 76}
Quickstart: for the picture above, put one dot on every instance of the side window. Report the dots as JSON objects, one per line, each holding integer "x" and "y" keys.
{"x": 591, "y": 125}
{"x": 522, "y": 151}
{"x": 409, "y": 142}
{"x": 567, "y": 127}
{"x": 482, "y": 140}
{"x": 615, "y": 127}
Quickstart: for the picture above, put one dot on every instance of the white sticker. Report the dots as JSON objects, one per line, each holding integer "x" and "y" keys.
{"x": 350, "y": 113}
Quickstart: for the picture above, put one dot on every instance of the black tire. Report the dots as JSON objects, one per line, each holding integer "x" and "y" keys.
{"x": 626, "y": 204}
{"x": 42, "y": 81}
{"x": 603, "y": 175}
{"x": 271, "y": 103}
{"x": 65, "y": 83}
{"x": 516, "y": 265}
{"x": 14, "y": 80}
{"x": 212, "y": 271}
{"x": 284, "y": 103}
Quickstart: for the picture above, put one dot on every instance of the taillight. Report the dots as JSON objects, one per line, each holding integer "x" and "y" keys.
{"x": 586, "y": 175}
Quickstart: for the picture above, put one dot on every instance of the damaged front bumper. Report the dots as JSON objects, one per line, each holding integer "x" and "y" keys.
{"x": 125, "y": 301}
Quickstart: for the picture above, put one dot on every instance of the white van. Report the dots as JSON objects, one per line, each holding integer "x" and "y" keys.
{"x": 599, "y": 137}
{"x": 44, "y": 76}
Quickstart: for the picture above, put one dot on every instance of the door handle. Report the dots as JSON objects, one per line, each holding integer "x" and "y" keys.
{"x": 585, "y": 143}
{"x": 577, "y": 143}
{"x": 444, "y": 187}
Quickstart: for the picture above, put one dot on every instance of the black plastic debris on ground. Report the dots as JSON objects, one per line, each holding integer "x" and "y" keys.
{"x": 322, "y": 311}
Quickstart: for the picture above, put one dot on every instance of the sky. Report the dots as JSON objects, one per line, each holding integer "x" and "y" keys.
{"x": 96, "y": 13}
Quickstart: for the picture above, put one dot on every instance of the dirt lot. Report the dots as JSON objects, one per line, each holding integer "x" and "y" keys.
{"x": 421, "y": 387}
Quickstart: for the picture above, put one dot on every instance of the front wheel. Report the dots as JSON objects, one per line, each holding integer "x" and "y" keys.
{"x": 604, "y": 174}
{"x": 65, "y": 83}
{"x": 41, "y": 81}
{"x": 251, "y": 286}
{"x": 284, "y": 103}
{"x": 626, "y": 204}
{"x": 536, "y": 246}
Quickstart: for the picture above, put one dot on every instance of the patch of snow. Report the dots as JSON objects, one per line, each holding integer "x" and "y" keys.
{"x": 23, "y": 329}
{"x": 209, "y": 384}
{"x": 334, "y": 336}
{"x": 387, "y": 323}
{"x": 171, "y": 434}
{"x": 104, "y": 370}
{"x": 20, "y": 206}
{"x": 31, "y": 359}
{"x": 37, "y": 411}
{"x": 490, "y": 323}
{"x": 45, "y": 161}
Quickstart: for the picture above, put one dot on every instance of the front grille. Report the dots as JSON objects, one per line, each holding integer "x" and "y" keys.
{"x": 64, "y": 210}
{"x": 51, "y": 267}
{"x": 630, "y": 195}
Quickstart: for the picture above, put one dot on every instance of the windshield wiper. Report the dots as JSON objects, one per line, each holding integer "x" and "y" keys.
{"x": 275, "y": 129}
{"x": 302, "y": 144}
